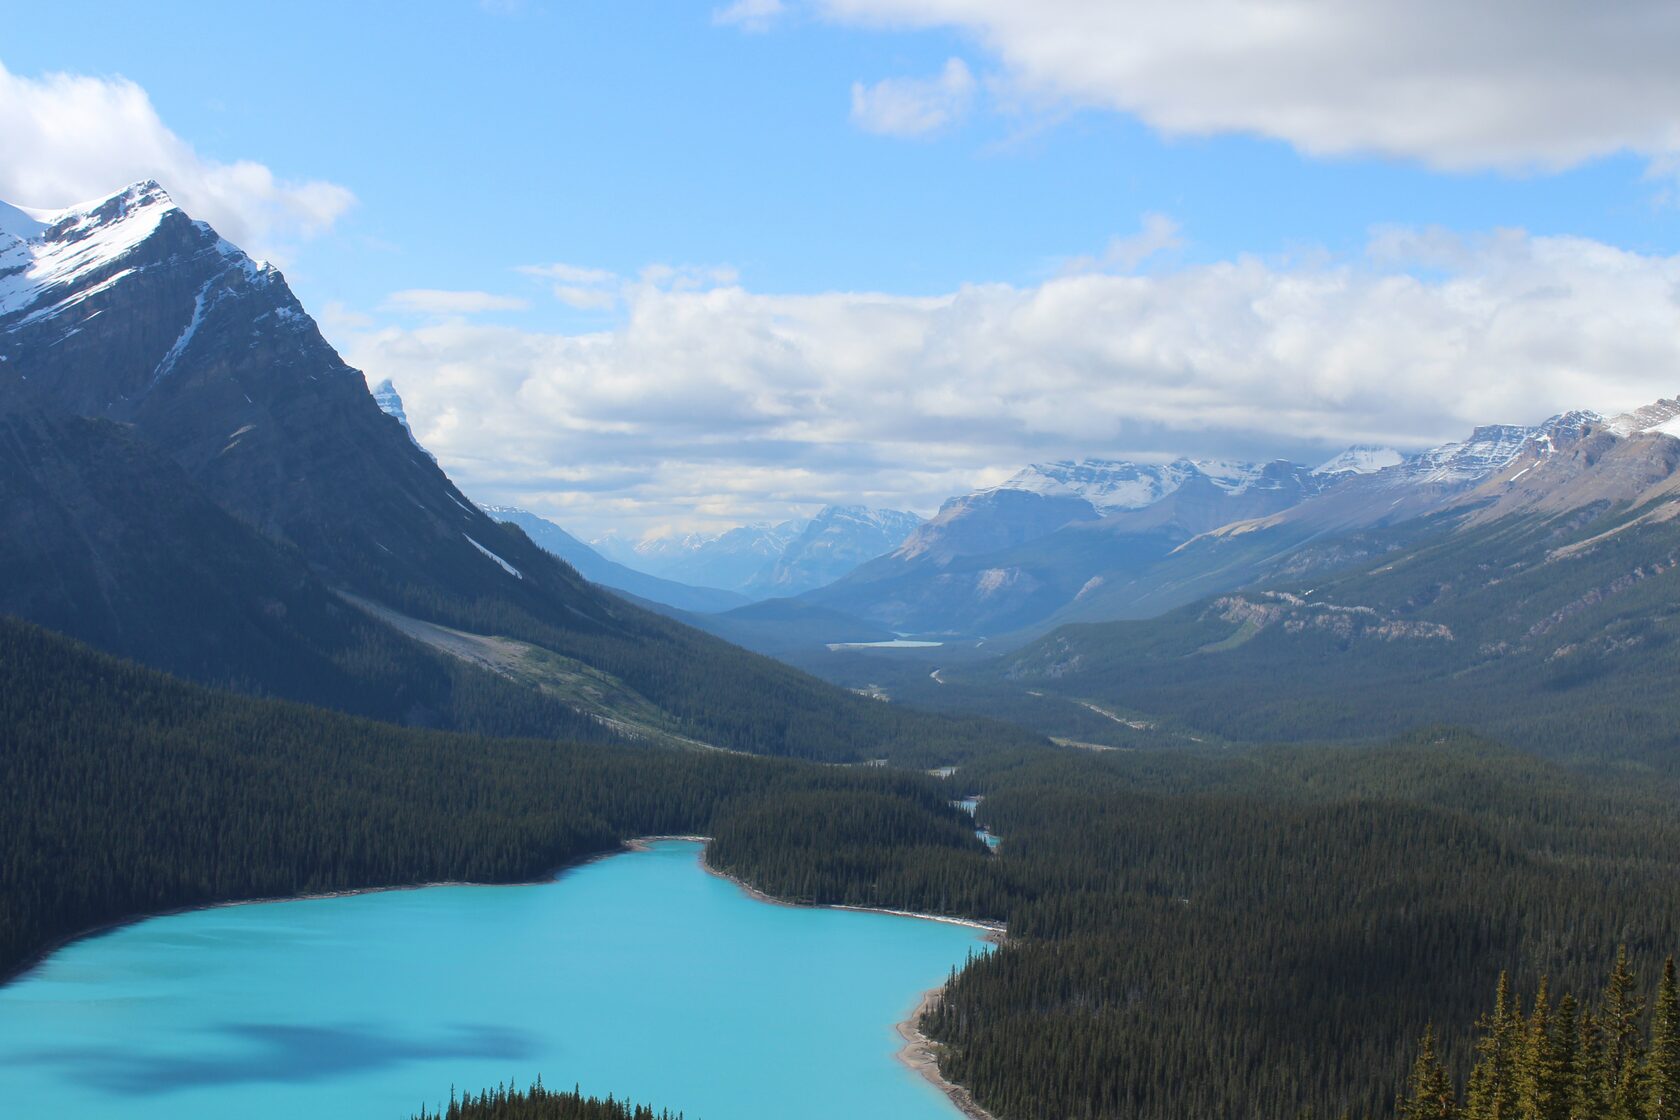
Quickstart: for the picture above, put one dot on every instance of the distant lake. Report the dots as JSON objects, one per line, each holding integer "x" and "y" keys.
{"x": 896, "y": 643}
{"x": 639, "y": 974}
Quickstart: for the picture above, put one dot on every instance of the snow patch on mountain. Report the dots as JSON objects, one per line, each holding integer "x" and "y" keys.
{"x": 506, "y": 567}
{"x": 1659, "y": 416}
{"x": 52, "y": 260}
{"x": 385, "y": 396}
{"x": 1108, "y": 484}
{"x": 19, "y": 223}
{"x": 1112, "y": 485}
{"x": 1360, "y": 459}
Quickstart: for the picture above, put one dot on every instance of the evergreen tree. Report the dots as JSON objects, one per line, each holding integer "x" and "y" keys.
{"x": 1430, "y": 1094}
{"x": 1493, "y": 1082}
{"x": 1620, "y": 1016}
{"x": 1591, "y": 1098}
{"x": 1542, "y": 1080}
{"x": 1662, "y": 1062}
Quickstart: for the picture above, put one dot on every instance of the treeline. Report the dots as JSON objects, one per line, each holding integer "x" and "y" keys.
{"x": 538, "y": 1103}
{"x": 1616, "y": 1059}
{"x": 125, "y": 792}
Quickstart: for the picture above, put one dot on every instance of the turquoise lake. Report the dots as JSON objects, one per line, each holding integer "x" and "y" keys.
{"x": 639, "y": 974}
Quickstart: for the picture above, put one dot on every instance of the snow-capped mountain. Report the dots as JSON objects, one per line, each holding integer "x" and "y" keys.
{"x": 1658, "y": 416}
{"x": 252, "y": 518}
{"x": 1111, "y": 485}
{"x": 836, "y": 540}
{"x": 1488, "y": 449}
{"x": 1361, "y": 458}
{"x": 765, "y": 560}
{"x": 385, "y": 396}
{"x": 729, "y": 560}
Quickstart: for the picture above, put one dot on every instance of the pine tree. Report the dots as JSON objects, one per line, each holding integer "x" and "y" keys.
{"x": 1429, "y": 1094}
{"x": 1662, "y": 1062}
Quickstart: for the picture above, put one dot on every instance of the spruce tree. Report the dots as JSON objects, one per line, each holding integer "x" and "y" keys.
{"x": 1662, "y": 1062}
{"x": 1591, "y": 1097}
{"x": 1620, "y": 1016}
{"x": 1541, "y": 1079}
{"x": 1493, "y": 1082}
{"x": 1429, "y": 1092}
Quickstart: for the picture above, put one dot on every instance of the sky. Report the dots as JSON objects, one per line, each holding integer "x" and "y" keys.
{"x": 647, "y": 267}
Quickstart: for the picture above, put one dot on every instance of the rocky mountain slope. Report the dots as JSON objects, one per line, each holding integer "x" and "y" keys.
{"x": 833, "y": 543}
{"x": 1007, "y": 557}
{"x": 127, "y": 312}
{"x": 1538, "y": 604}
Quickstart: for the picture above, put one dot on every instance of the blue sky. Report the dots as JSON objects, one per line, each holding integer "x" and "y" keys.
{"x": 478, "y": 139}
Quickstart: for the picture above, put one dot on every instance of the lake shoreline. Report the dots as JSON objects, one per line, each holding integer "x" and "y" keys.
{"x": 23, "y": 970}
{"x": 920, "y": 1054}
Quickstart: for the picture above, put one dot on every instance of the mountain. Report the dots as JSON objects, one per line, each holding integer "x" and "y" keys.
{"x": 598, "y": 569}
{"x": 1011, "y": 556}
{"x": 1361, "y": 458}
{"x": 835, "y": 541}
{"x": 730, "y": 560}
{"x": 765, "y": 561}
{"x": 1537, "y": 602}
{"x": 270, "y": 495}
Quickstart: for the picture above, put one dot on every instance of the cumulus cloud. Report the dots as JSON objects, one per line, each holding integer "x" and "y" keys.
{"x": 437, "y": 301}
{"x": 749, "y": 15}
{"x": 67, "y": 138}
{"x": 914, "y": 106}
{"x": 719, "y": 404}
{"x": 1504, "y": 84}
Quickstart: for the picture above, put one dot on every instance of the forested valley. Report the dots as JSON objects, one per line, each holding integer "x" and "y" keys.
{"x": 1262, "y": 932}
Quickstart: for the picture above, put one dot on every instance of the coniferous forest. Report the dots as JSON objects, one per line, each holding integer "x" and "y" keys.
{"x": 1261, "y": 932}
{"x": 538, "y": 1103}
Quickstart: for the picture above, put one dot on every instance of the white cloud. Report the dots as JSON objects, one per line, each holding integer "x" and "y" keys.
{"x": 914, "y": 106}
{"x": 587, "y": 289}
{"x": 1506, "y": 84}
{"x": 749, "y": 15}
{"x": 437, "y": 301}
{"x": 66, "y": 138}
{"x": 1124, "y": 254}
{"x": 715, "y": 403}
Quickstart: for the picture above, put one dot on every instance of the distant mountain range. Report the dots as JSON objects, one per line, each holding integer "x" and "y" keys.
{"x": 769, "y": 561}
{"x": 1525, "y": 584}
{"x": 598, "y": 569}
{"x": 1096, "y": 539}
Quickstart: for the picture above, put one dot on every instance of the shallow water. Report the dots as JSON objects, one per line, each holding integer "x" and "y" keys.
{"x": 895, "y": 643}
{"x": 640, "y": 975}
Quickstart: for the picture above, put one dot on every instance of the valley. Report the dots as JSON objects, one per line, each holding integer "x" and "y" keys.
{"x": 716, "y": 580}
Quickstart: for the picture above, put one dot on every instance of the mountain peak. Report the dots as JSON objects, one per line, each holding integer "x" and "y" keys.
{"x": 1361, "y": 458}
{"x": 1662, "y": 415}
{"x": 56, "y": 259}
